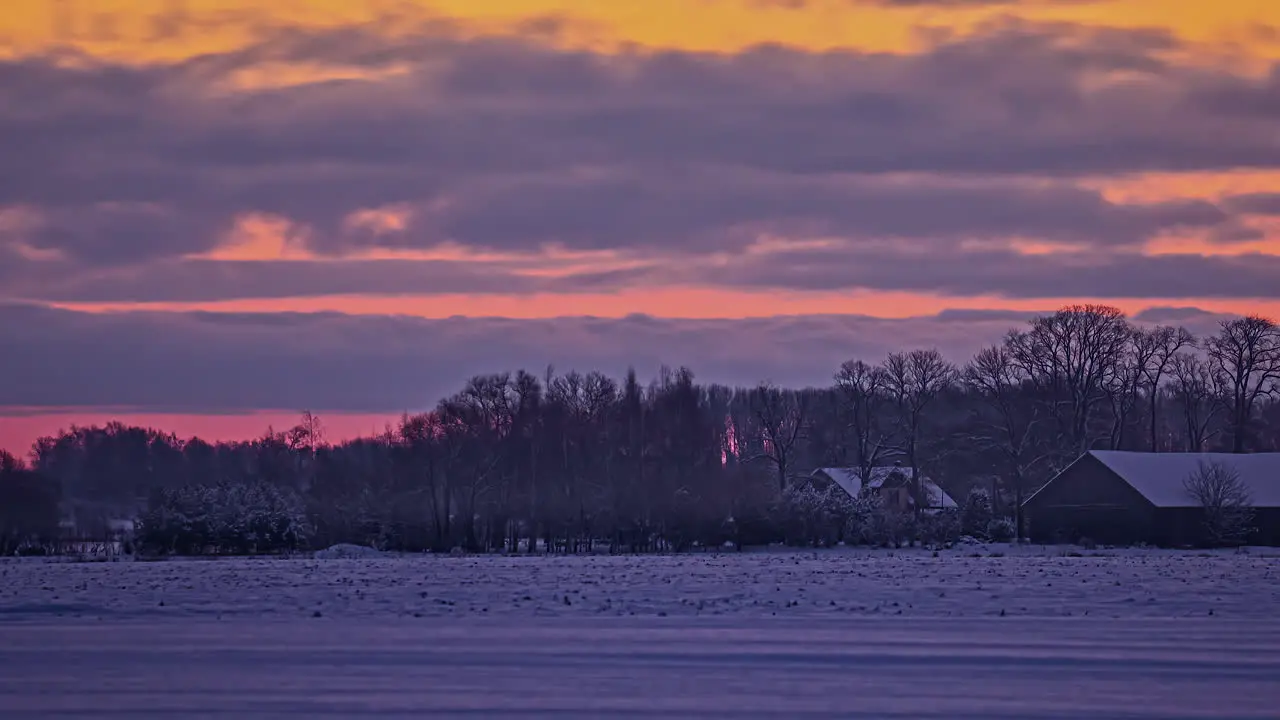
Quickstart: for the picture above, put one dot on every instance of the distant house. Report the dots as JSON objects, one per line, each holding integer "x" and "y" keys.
{"x": 893, "y": 483}
{"x": 1128, "y": 497}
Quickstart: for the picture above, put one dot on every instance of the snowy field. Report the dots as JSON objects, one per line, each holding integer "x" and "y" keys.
{"x": 972, "y": 633}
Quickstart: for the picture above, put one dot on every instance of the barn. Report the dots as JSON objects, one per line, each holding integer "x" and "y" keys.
{"x": 1118, "y": 498}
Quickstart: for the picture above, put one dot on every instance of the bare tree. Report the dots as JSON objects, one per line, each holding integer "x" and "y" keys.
{"x": 1072, "y": 357}
{"x": 1013, "y": 421}
{"x": 1246, "y": 355}
{"x": 1228, "y": 508}
{"x": 1124, "y": 386}
{"x": 1156, "y": 350}
{"x": 914, "y": 380}
{"x": 1142, "y": 367}
{"x": 476, "y": 426}
{"x": 862, "y": 388}
{"x": 1195, "y": 388}
{"x": 307, "y": 434}
{"x": 780, "y": 418}
{"x": 305, "y": 439}
{"x": 422, "y": 439}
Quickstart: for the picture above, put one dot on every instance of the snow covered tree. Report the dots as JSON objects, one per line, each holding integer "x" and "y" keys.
{"x": 977, "y": 513}
{"x": 813, "y": 515}
{"x": 232, "y": 518}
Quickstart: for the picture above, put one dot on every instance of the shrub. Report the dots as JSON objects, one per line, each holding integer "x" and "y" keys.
{"x": 810, "y": 515}
{"x": 941, "y": 528}
{"x": 1001, "y": 529}
{"x": 883, "y": 526}
{"x": 863, "y": 519}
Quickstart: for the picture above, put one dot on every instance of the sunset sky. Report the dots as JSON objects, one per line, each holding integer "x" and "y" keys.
{"x": 214, "y": 215}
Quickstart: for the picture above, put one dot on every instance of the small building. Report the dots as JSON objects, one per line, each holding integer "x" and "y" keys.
{"x": 893, "y": 483}
{"x": 1124, "y": 498}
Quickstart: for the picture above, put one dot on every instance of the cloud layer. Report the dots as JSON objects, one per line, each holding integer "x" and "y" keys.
{"x": 201, "y": 362}
{"x": 420, "y": 159}
{"x": 509, "y": 144}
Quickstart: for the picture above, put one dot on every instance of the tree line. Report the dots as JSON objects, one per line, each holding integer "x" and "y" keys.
{"x": 564, "y": 461}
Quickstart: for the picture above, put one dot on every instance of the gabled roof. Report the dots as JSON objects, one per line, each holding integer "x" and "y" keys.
{"x": 850, "y": 480}
{"x": 1160, "y": 477}
{"x": 846, "y": 478}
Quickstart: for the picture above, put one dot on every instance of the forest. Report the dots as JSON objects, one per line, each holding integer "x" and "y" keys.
{"x": 563, "y": 462}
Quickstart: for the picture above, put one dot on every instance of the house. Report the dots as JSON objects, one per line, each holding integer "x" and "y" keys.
{"x": 893, "y": 483}
{"x": 1128, "y": 497}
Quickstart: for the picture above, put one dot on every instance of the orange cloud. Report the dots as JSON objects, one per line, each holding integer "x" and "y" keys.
{"x": 262, "y": 236}
{"x": 149, "y": 30}
{"x": 1155, "y": 187}
{"x": 269, "y": 76}
{"x": 380, "y": 221}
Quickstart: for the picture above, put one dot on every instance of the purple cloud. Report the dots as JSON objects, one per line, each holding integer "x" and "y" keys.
{"x": 205, "y": 362}
{"x": 1254, "y": 204}
{"x": 202, "y": 362}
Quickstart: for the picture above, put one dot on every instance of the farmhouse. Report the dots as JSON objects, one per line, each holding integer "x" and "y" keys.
{"x": 1129, "y": 497}
{"x": 891, "y": 482}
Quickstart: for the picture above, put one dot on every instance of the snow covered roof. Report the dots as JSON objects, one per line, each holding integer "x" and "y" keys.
{"x": 1160, "y": 476}
{"x": 846, "y": 478}
{"x": 850, "y": 480}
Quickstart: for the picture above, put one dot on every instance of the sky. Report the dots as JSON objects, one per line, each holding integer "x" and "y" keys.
{"x": 217, "y": 213}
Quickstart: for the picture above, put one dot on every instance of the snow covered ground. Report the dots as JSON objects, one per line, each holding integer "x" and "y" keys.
{"x": 972, "y": 633}
{"x": 964, "y": 582}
